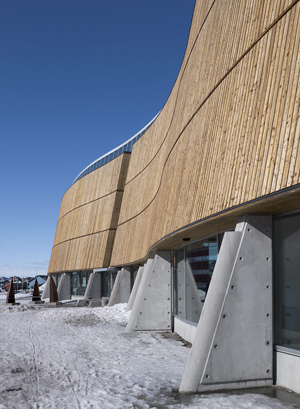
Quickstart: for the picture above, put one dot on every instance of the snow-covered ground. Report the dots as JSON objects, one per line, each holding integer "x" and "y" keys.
{"x": 82, "y": 358}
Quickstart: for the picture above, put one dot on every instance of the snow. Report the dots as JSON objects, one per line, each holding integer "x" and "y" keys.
{"x": 83, "y": 358}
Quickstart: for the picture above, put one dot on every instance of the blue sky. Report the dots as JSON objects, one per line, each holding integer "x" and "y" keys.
{"x": 77, "y": 78}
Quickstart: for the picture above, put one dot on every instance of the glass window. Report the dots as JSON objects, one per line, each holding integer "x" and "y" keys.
{"x": 107, "y": 282}
{"x": 193, "y": 268}
{"x": 79, "y": 282}
{"x": 200, "y": 260}
{"x": 287, "y": 281}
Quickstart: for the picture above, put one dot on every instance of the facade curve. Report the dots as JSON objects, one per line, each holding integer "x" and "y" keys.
{"x": 204, "y": 210}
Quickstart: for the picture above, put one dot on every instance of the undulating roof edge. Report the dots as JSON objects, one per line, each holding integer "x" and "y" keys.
{"x": 114, "y": 153}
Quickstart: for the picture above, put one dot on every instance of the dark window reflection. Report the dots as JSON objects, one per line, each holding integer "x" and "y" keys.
{"x": 287, "y": 281}
{"x": 193, "y": 268}
{"x": 79, "y": 282}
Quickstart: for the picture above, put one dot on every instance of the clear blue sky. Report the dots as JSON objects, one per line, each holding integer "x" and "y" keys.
{"x": 77, "y": 78}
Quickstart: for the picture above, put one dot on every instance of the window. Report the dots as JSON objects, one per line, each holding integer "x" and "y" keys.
{"x": 79, "y": 282}
{"x": 193, "y": 269}
{"x": 287, "y": 281}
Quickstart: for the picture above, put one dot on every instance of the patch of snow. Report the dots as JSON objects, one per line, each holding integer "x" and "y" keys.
{"x": 83, "y": 358}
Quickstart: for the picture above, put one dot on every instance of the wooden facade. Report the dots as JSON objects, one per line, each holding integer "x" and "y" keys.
{"x": 88, "y": 219}
{"x": 225, "y": 143}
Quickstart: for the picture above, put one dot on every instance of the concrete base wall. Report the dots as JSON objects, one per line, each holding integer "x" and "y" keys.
{"x": 185, "y": 330}
{"x": 135, "y": 288}
{"x": 152, "y": 306}
{"x": 233, "y": 343}
{"x": 64, "y": 287}
{"x": 93, "y": 288}
{"x": 288, "y": 371}
{"x": 46, "y": 292}
{"x": 121, "y": 289}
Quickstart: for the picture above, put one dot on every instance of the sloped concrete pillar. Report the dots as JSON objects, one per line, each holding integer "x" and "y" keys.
{"x": 64, "y": 287}
{"x": 46, "y": 291}
{"x": 233, "y": 343}
{"x": 152, "y": 305}
{"x": 135, "y": 288}
{"x": 93, "y": 288}
{"x": 121, "y": 289}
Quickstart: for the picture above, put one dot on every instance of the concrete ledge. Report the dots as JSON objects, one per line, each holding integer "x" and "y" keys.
{"x": 53, "y": 304}
{"x": 288, "y": 371}
{"x": 184, "y": 329}
{"x": 82, "y": 303}
{"x": 95, "y": 303}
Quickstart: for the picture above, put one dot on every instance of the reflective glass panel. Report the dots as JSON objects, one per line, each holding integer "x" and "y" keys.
{"x": 105, "y": 284}
{"x": 200, "y": 260}
{"x": 287, "y": 281}
{"x": 79, "y": 282}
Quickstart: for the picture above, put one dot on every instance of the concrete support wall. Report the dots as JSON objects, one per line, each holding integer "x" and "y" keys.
{"x": 152, "y": 306}
{"x": 233, "y": 343}
{"x": 135, "y": 288}
{"x": 93, "y": 288}
{"x": 121, "y": 289}
{"x": 46, "y": 292}
{"x": 64, "y": 287}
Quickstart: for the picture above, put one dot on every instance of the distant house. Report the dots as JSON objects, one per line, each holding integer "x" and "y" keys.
{"x": 41, "y": 279}
{"x": 3, "y": 281}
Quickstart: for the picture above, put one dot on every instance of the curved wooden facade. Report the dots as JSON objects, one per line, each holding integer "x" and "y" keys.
{"x": 225, "y": 143}
{"x": 88, "y": 219}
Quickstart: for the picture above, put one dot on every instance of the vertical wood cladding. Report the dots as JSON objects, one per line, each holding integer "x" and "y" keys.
{"x": 88, "y": 219}
{"x": 229, "y": 132}
{"x": 227, "y": 135}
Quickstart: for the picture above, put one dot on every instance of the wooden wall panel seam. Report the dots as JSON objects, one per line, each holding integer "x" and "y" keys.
{"x": 92, "y": 201}
{"x": 84, "y": 235}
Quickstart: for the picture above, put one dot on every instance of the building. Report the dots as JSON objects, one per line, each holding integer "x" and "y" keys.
{"x": 41, "y": 279}
{"x": 198, "y": 215}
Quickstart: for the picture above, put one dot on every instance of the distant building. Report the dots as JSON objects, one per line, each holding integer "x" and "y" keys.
{"x": 41, "y": 279}
{"x": 3, "y": 281}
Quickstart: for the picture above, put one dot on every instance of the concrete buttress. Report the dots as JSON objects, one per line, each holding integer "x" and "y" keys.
{"x": 152, "y": 305}
{"x": 135, "y": 288}
{"x": 121, "y": 289}
{"x": 233, "y": 343}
